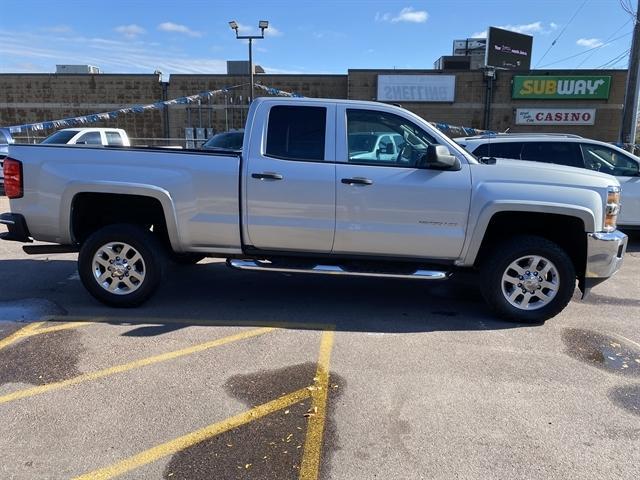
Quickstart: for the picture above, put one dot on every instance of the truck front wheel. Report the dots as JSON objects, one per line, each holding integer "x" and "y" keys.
{"x": 528, "y": 279}
{"x": 121, "y": 265}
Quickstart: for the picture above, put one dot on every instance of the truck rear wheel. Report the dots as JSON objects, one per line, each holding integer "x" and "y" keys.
{"x": 121, "y": 265}
{"x": 528, "y": 279}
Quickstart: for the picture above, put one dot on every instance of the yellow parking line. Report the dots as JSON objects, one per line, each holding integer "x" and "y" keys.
{"x": 57, "y": 328}
{"x": 29, "y": 392}
{"x": 23, "y": 332}
{"x": 136, "y": 321}
{"x": 190, "y": 439}
{"x": 310, "y": 467}
{"x": 33, "y": 329}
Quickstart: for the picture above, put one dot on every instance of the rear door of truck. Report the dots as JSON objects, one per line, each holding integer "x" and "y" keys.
{"x": 289, "y": 178}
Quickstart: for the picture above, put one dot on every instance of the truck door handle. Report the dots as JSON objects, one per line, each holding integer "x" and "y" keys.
{"x": 357, "y": 181}
{"x": 267, "y": 176}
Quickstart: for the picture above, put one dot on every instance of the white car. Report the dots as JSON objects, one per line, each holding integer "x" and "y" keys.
{"x": 570, "y": 150}
{"x": 381, "y": 146}
{"x": 89, "y": 136}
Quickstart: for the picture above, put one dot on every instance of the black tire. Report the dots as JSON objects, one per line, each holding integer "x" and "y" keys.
{"x": 142, "y": 242}
{"x": 494, "y": 290}
{"x": 185, "y": 258}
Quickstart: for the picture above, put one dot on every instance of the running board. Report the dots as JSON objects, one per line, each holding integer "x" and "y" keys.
{"x": 256, "y": 265}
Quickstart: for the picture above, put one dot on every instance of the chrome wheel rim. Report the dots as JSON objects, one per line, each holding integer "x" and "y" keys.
{"x": 119, "y": 268}
{"x": 530, "y": 282}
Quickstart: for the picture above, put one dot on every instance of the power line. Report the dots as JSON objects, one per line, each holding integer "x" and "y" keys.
{"x": 562, "y": 31}
{"x": 603, "y": 43}
{"x": 585, "y": 51}
{"x": 614, "y": 60}
{"x": 627, "y": 7}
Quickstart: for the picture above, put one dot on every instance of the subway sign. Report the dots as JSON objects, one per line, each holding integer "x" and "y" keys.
{"x": 561, "y": 87}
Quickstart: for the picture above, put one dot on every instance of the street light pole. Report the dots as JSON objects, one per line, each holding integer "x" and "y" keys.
{"x": 262, "y": 25}
{"x": 250, "y": 69}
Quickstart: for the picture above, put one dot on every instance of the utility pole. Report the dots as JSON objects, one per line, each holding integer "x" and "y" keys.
{"x": 630, "y": 110}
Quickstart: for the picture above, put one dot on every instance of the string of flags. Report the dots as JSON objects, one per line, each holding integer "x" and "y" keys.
{"x": 98, "y": 117}
{"x": 451, "y": 130}
{"x": 277, "y": 92}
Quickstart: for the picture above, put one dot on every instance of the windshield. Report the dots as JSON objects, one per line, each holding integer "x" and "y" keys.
{"x": 61, "y": 137}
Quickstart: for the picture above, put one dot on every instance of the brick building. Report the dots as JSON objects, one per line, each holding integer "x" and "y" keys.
{"x": 29, "y": 98}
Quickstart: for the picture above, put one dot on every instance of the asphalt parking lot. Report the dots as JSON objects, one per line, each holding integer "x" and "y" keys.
{"x": 228, "y": 375}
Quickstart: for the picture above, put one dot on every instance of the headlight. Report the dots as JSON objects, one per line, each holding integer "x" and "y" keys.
{"x": 612, "y": 209}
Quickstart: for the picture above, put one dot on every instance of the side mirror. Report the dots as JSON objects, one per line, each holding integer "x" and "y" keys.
{"x": 437, "y": 157}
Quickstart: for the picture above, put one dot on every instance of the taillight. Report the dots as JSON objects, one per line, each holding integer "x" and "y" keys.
{"x": 13, "y": 183}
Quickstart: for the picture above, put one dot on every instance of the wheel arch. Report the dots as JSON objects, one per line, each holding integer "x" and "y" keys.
{"x": 77, "y": 192}
{"x": 565, "y": 226}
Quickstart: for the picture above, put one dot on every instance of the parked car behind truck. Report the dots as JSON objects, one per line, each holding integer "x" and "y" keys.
{"x": 573, "y": 151}
{"x": 300, "y": 200}
{"x": 89, "y": 136}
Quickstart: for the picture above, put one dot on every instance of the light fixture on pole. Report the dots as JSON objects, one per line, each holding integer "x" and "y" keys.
{"x": 262, "y": 25}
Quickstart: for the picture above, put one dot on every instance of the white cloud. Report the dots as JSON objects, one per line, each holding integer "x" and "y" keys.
{"x": 113, "y": 56}
{"x": 589, "y": 42}
{"x": 130, "y": 31}
{"x": 407, "y": 14}
{"x": 526, "y": 28}
{"x": 177, "y": 28}
{"x": 272, "y": 32}
{"x": 554, "y": 26}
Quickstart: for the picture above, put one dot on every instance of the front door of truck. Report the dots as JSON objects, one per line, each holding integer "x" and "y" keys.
{"x": 389, "y": 207}
{"x": 289, "y": 179}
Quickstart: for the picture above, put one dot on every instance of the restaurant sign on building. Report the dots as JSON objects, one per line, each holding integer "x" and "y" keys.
{"x": 555, "y": 116}
{"x": 416, "y": 88}
{"x": 566, "y": 87}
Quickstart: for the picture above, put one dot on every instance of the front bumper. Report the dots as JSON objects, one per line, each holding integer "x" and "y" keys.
{"x": 605, "y": 252}
{"x": 18, "y": 231}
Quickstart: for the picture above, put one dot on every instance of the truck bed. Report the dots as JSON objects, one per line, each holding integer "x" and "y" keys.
{"x": 201, "y": 185}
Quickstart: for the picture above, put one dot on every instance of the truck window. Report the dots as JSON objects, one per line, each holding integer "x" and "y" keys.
{"x": 114, "y": 138}
{"x": 562, "y": 153}
{"x": 369, "y": 132}
{"x": 499, "y": 150}
{"x": 608, "y": 160}
{"x": 296, "y": 133}
{"x": 90, "y": 138}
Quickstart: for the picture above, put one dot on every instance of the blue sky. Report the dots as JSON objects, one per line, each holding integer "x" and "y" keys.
{"x": 192, "y": 36}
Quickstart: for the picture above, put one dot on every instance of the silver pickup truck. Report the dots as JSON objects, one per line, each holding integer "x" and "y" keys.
{"x": 299, "y": 200}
